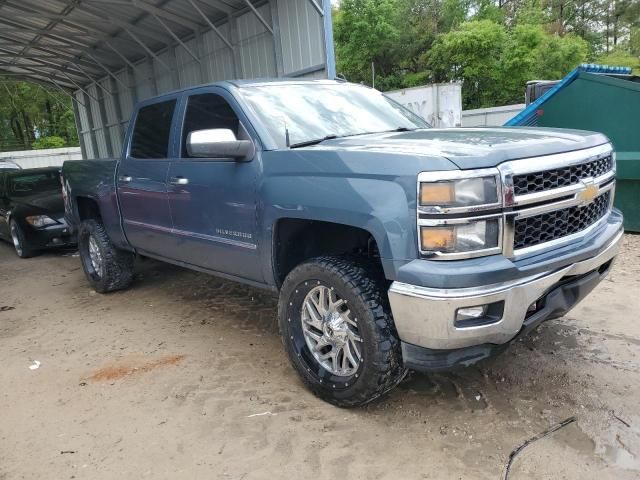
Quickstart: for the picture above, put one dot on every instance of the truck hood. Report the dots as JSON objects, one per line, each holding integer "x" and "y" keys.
{"x": 470, "y": 148}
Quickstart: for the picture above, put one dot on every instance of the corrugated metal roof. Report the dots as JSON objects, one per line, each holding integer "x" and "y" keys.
{"x": 72, "y": 42}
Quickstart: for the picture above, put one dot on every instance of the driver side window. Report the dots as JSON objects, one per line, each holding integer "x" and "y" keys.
{"x": 209, "y": 111}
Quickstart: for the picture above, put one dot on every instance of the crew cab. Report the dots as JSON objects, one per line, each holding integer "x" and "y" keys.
{"x": 392, "y": 245}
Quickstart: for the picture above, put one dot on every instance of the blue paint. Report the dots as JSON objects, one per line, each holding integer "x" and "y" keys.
{"x": 224, "y": 220}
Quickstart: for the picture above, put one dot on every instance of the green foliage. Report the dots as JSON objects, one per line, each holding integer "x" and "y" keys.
{"x": 48, "y": 142}
{"x": 470, "y": 54}
{"x": 29, "y": 111}
{"x": 494, "y": 63}
{"x": 492, "y": 46}
{"x": 621, "y": 58}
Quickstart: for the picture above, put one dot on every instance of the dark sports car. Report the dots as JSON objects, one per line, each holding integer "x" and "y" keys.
{"x": 32, "y": 210}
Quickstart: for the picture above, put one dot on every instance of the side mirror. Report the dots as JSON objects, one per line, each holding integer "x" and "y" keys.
{"x": 217, "y": 143}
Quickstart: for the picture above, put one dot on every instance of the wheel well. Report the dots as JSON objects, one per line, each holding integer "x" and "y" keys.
{"x": 88, "y": 209}
{"x": 298, "y": 240}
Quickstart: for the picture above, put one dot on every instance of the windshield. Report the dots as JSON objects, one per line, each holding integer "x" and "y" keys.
{"x": 34, "y": 182}
{"x": 315, "y": 111}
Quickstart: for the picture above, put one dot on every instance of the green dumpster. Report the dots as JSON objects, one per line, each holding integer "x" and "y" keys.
{"x": 603, "y": 102}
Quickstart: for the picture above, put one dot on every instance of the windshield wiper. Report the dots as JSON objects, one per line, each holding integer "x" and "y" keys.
{"x": 316, "y": 141}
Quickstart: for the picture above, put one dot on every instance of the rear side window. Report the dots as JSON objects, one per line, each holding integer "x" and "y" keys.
{"x": 152, "y": 130}
{"x": 35, "y": 182}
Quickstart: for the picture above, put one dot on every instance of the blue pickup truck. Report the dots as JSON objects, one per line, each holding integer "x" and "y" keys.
{"x": 392, "y": 245}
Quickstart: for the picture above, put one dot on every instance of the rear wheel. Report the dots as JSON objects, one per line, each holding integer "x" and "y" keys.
{"x": 337, "y": 329}
{"x": 106, "y": 267}
{"x": 19, "y": 241}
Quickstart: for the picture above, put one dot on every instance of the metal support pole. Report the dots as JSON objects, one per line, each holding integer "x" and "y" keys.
{"x": 109, "y": 72}
{"x": 277, "y": 39}
{"x": 257, "y": 14}
{"x": 175, "y": 37}
{"x": 328, "y": 40}
{"x": 317, "y": 7}
{"x": 124, "y": 59}
{"x": 146, "y": 49}
{"x": 211, "y": 25}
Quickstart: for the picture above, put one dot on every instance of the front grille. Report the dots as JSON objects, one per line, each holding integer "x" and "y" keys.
{"x": 560, "y": 177}
{"x": 550, "y": 226}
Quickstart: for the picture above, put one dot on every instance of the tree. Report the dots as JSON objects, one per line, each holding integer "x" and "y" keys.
{"x": 29, "y": 111}
{"x": 494, "y": 63}
{"x": 470, "y": 54}
{"x": 366, "y": 32}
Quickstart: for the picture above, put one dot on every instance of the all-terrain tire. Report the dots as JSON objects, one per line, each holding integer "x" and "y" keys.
{"x": 20, "y": 243}
{"x": 362, "y": 287}
{"x": 115, "y": 268}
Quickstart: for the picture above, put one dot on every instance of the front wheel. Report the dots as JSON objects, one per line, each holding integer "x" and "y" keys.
{"x": 338, "y": 332}
{"x": 106, "y": 267}
{"x": 20, "y": 243}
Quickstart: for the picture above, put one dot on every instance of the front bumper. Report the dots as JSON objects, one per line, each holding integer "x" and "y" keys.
{"x": 425, "y": 317}
{"x": 50, "y": 237}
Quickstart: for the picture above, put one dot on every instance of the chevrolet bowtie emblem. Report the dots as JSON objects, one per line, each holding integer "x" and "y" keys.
{"x": 588, "y": 193}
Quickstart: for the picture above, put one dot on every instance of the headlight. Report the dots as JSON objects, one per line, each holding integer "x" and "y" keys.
{"x": 464, "y": 192}
{"x": 460, "y": 238}
{"x": 40, "y": 221}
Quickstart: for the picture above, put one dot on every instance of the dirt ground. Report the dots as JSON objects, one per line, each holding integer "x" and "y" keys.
{"x": 183, "y": 377}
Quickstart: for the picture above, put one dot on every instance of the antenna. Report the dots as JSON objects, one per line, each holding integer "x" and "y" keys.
{"x": 286, "y": 135}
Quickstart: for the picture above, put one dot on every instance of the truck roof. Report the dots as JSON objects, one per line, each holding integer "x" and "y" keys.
{"x": 247, "y": 83}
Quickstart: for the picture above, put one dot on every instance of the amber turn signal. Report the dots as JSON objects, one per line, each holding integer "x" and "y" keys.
{"x": 441, "y": 239}
{"x": 439, "y": 193}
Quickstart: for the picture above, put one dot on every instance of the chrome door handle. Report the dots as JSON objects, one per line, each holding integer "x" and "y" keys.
{"x": 125, "y": 179}
{"x": 179, "y": 181}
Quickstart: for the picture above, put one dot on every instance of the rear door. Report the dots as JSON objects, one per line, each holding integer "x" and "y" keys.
{"x": 141, "y": 179}
{"x": 213, "y": 200}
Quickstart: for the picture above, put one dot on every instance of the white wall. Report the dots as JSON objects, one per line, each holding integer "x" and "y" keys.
{"x": 490, "y": 117}
{"x": 439, "y": 104}
{"x": 52, "y": 157}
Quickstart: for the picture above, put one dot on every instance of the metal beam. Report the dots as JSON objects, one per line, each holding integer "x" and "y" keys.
{"x": 45, "y": 74}
{"x": 124, "y": 59}
{"x": 218, "y": 5}
{"x": 175, "y": 37}
{"x": 104, "y": 15}
{"x": 79, "y": 87}
{"x": 328, "y": 40}
{"x": 152, "y": 9}
{"x": 317, "y": 7}
{"x": 211, "y": 25}
{"x": 257, "y": 14}
{"x": 60, "y": 53}
{"x": 42, "y": 61}
{"x": 109, "y": 72}
{"x": 146, "y": 49}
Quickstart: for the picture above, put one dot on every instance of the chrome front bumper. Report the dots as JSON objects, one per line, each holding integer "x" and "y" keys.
{"x": 425, "y": 317}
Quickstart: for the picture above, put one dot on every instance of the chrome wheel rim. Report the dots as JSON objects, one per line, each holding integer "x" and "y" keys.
{"x": 95, "y": 256}
{"x": 16, "y": 239}
{"x": 330, "y": 333}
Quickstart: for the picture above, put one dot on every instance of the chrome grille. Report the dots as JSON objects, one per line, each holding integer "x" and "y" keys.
{"x": 531, "y": 231}
{"x": 560, "y": 177}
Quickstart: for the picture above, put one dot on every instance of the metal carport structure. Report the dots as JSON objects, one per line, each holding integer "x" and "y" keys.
{"x": 110, "y": 54}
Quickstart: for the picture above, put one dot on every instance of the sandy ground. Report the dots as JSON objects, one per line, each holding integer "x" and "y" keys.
{"x": 173, "y": 379}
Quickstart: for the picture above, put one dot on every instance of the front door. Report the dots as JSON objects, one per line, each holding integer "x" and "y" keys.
{"x": 213, "y": 200}
{"x": 142, "y": 181}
